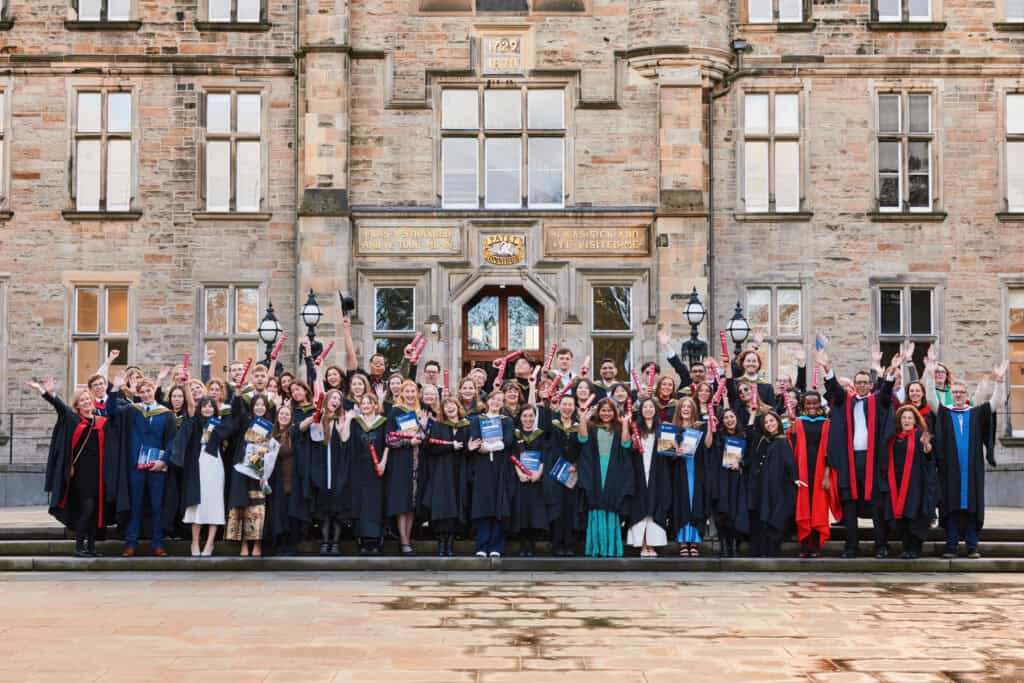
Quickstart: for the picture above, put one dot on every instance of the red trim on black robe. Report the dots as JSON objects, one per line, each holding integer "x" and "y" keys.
{"x": 97, "y": 426}
{"x": 898, "y": 496}
{"x": 814, "y": 502}
{"x": 869, "y": 469}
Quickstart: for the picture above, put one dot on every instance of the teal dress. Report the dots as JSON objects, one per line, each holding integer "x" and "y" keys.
{"x": 607, "y": 488}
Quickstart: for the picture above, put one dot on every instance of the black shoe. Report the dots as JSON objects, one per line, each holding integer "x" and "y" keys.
{"x": 442, "y": 547}
{"x": 908, "y": 555}
{"x": 881, "y": 553}
{"x": 325, "y": 548}
{"x": 335, "y": 550}
{"x": 375, "y": 549}
{"x": 849, "y": 554}
{"x": 90, "y": 548}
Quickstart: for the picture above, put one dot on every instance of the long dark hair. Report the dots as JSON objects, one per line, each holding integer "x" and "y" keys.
{"x": 170, "y": 397}
{"x": 741, "y": 430}
{"x": 595, "y": 421}
{"x": 205, "y": 400}
{"x": 641, "y": 421}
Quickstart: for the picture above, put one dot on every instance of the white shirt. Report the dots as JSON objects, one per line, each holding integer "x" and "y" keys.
{"x": 860, "y": 423}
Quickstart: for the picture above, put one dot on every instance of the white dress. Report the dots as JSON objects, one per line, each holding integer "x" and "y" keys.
{"x": 211, "y": 492}
{"x": 655, "y": 534}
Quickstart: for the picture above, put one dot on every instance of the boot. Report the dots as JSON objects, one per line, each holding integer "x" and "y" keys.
{"x": 90, "y": 546}
{"x": 80, "y": 550}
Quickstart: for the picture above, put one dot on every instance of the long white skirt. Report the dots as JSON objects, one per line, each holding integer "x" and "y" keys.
{"x": 211, "y": 493}
{"x": 655, "y": 534}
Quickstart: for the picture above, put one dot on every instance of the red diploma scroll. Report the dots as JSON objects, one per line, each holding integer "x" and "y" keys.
{"x": 586, "y": 404}
{"x": 501, "y": 374}
{"x": 636, "y": 380}
{"x": 447, "y": 388}
{"x": 440, "y": 442}
{"x": 376, "y": 461}
{"x": 712, "y": 423}
{"x": 561, "y": 392}
{"x": 635, "y": 433}
{"x": 414, "y": 343}
{"x": 418, "y": 351}
{"x": 725, "y": 343}
{"x": 277, "y": 349}
{"x": 323, "y": 356}
{"x": 549, "y": 359}
{"x": 319, "y": 413}
{"x": 790, "y": 405}
{"x": 650, "y": 379}
{"x": 184, "y": 364}
{"x": 245, "y": 373}
{"x": 719, "y": 392}
{"x": 520, "y": 466}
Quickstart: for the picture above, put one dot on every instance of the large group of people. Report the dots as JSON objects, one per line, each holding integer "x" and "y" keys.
{"x": 524, "y": 448}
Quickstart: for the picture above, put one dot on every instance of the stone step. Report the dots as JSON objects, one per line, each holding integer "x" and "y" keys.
{"x": 505, "y": 564}
{"x": 113, "y": 548}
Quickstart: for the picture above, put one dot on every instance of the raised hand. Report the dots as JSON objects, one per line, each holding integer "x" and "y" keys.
{"x": 876, "y": 357}
{"x": 926, "y": 441}
{"x": 1000, "y": 370}
{"x": 210, "y": 354}
{"x": 821, "y": 358}
{"x": 758, "y": 339}
{"x": 164, "y": 371}
{"x": 800, "y": 356}
{"x": 49, "y": 384}
{"x": 663, "y": 338}
{"x": 909, "y": 353}
{"x": 533, "y": 375}
{"x": 119, "y": 381}
{"x": 35, "y": 386}
{"x": 112, "y": 356}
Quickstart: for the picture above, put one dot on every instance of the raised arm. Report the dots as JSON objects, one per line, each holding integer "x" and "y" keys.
{"x": 999, "y": 373}
{"x": 48, "y": 390}
{"x": 351, "y": 361}
{"x": 929, "y": 382}
{"x": 105, "y": 368}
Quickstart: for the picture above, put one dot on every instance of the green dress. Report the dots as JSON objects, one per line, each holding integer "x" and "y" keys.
{"x": 604, "y": 533}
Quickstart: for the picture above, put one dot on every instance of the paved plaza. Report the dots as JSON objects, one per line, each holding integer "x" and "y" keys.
{"x": 614, "y": 628}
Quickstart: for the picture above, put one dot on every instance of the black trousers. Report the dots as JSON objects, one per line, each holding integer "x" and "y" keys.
{"x": 852, "y": 509}
{"x": 901, "y": 528}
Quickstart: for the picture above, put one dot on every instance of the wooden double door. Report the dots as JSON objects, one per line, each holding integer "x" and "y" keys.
{"x": 501, "y": 319}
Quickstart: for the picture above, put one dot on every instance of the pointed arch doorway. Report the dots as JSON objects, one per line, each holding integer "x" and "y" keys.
{"x": 498, "y": 320}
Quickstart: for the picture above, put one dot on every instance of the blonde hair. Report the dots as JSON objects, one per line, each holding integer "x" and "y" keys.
{"x": 78, "y": 397}
{"x": 400, "y": 399}
{"x": 677, "y": 414}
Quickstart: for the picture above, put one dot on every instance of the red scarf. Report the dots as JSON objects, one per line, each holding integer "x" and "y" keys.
{"x": 83, "y": 425}
{"x": 898, "y": 496}
{"x": 813, "y": 502}
{"x": 869, "y": 469}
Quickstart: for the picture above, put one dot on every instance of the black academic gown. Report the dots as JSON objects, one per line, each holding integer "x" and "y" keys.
{"x": 855, "y": 485}
{"x": 529, "y": 509}
{"x": 65, "y": 441}
{"x": 685, "y": 510}
{"x": 773, "y": 482}
{"x": 728, "y": 496}
{"x": 920, "y": 497}
{"x": 188, "y": 445}
{"x": 234, "y": 429}
{"x": 300, "y": 501}
{"x": 174, "y": 490}
{"x": 981, "y": 447}
{"x": 491, "y": 476}
{"x": 652, "y": 494}
{"x": 367, "y": 488}
{"x": 401, "y": 480}
{"x": 561, "y": 442}
{"x": 329, "y": 476}
{"x": 617, "y": 491}
{"x": 444, "y": 499}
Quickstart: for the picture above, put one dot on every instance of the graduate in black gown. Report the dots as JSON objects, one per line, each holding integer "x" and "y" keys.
{"x": 401, "y": 480}
{"x": 605, "y": 477}
{"x": 773, "y": 485}
{"x": 905, "y": 489}
{"x": 329, "y": 475}
{"x": 174, "y": 503}
{"x": 364, "y": 433}
{"x": 300, "y": 500}
{"x": 78, "y": 465}
{"x": 444, "y": 491}
{"x": 808, "y": 436}
{"x": 563, "y": 502}
{"x": 203, "y": 474}
{"x": 279, "y": 525}
{"x": 964, "y": 441}
{"x": 728, "y": 460}
{"x": 688, "y": 471}
{"x": 529, "y": 511}
{"x": 492, "y": 439}
{"x": 861, "y": 423}
{"x": 652, "y": 483}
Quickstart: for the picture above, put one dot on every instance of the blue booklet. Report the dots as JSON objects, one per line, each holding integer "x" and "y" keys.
{"x": 259, "y": 430}
{"x": 732, "y": 456}
{"x": 211, "y": 424}
{"x": 408, "y": 423}
{"x": 491, "y": 433}
{"x": 667, "y": 435}
{"x": 147, "y": 457}
{"x": 531, "y": 460}
{"x": 563, "y": 474}
{"x": 691, "y": 439}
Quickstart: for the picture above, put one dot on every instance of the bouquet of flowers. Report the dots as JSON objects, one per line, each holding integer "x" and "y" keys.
{"x": 260, "y": 453}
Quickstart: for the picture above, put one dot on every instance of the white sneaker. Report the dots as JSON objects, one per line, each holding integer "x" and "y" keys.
{"x": 494, "y": 553}
{"x": 481, "y": 553}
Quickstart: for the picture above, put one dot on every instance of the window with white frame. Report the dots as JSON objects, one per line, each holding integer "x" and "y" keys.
{"x": 612, "y": 324}
{"x": 3, "y": 147}
{"x": 103, "y": 150}
{"x": 903, "y": 10}
{"x": 231, "y": 317}
{"x": 906, "y": 313}
{"x": 905, "y": 152}
{"x": 1015, "y": 348}
{"x": 1015, "y": 10}
{"x": 233, "y": 174}
{"x": 236, "y": 11}
{"x": 507, "y": 144}
{"x": 772, "y": 11}
{"x": 1015, "y": 151}
{"x": 394, "y": 321}
{"x": 776, "y": 312}
{"x": 771, "y": 152}
{"x": 103, "y": 10}
{"x": 100, "y": 324}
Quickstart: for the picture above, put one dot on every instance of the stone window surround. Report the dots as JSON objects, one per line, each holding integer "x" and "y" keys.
{"x": 106, "y": 85}
{"x": 468, "y": 8}
{"x": 775, "y": 282}
{"x": 637, "y": 280}
{"x": 203, "y": 22}
{"x": 802, "y": 90}
{"x": 1002, "y": 92}
{"x": 4, "y": 345}
{"x": 71, "y": 280}
{"x": 937, "y": 284}
{"x": 200, "y": 337}
{"x": 906, "y": 87}
{"x": 368, "y": 280}
{"x": 6, "y": 87}
{"x": 6, "y": 21}
{"x": 1007, "y": 282}
{"x": 480, "y": 85}
{"x": 219, "y": 86}
{"x": 132, "y": 23}
{"x": 807, "y": 24}
{"x": 933, "y": 23}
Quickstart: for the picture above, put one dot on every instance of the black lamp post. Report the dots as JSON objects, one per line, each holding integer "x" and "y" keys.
{"x": 694, "y": 349}
{"x": 269, "y": 332}
{"x": 738, "y": 328}
{"x": 310, "y": 315}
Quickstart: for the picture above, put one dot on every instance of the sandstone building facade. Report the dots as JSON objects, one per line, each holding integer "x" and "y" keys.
{"x": 509, "y": 173}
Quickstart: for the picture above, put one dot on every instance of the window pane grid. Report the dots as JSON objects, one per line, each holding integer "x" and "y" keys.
{"x": 234, "y": 152}
{"x": 516, "y": 152}
{"x": 103, "y": 162}
{"x": 904, "y": 152}
{"x": 776, "y": 312}
{"x": 771, "y": 165}
{"x": 100, "y": 323}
